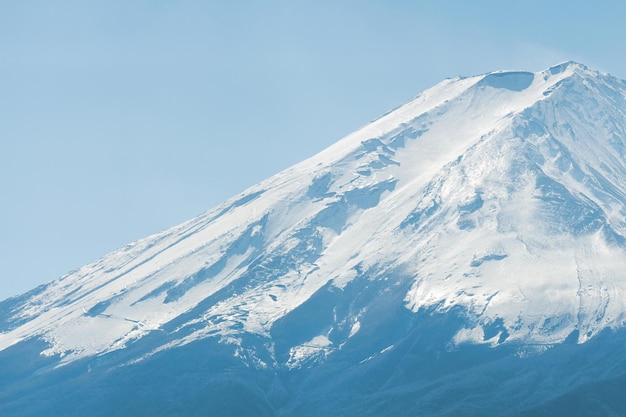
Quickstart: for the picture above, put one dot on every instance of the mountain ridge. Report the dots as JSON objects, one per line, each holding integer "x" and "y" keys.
{"x": 363, "y": 188}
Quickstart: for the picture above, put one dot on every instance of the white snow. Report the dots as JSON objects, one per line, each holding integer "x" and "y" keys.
{"x": 316, "y": 348}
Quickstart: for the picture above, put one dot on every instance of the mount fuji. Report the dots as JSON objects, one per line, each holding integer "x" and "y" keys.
{"x": 462, "y": 255}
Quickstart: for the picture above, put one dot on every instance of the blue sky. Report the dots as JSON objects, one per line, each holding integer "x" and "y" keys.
{"x": 119, "y": 119}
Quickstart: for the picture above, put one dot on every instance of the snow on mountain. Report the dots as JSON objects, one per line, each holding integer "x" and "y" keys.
{"x": 501, "y": 195}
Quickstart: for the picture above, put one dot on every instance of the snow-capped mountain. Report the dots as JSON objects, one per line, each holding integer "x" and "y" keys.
{"x": 485, "y": 215}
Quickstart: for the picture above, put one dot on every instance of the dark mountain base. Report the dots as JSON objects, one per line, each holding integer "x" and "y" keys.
{"x": 421, "y": 376}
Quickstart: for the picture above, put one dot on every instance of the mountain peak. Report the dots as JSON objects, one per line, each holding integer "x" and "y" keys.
{"x": 520, "y": 80}
{"x": 567, "y": 65}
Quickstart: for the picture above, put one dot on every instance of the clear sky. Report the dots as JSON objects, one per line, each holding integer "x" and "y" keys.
{"x": 121, "y": 118}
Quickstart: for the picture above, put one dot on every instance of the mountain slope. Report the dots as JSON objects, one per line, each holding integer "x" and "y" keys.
{"x": 461, "y": 234}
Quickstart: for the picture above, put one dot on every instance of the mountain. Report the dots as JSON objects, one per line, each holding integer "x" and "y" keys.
{"x": 464, "y": 254}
